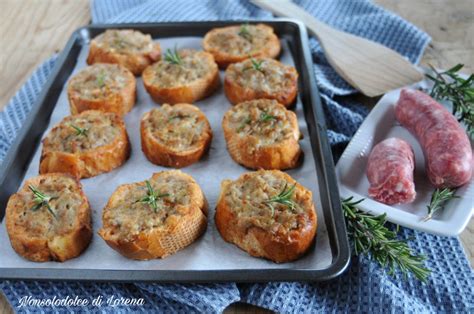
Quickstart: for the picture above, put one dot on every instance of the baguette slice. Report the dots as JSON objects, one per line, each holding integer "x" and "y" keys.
{"x": 233, "y": 44}
{"x": 129, "y": 48}
{"x": 185, "y": 76}
{"x": 175, "y": 136}
{"x": 137, "y": 229}
{"x": 262, "y": 134}
{"x": 247, "y": 216}
{"x": 86, "y": 145}
{"x": 104, "y": 87}
{"x": 261, "y": 78}
{"x": 57, "y": 230}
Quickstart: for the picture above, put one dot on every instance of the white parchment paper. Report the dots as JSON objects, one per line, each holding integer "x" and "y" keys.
{"x": 210, "y": 252}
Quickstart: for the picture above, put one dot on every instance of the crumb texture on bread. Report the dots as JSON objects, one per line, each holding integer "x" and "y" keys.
{"x": 190, "y": 76}
{"x": 262, "y": 134}
{"x": 175, "y": 136}
{"x": 236, "y": 43}
{"x": 129, "y": 48}
{"x": 142, "y": 229}
{"x": 248, "y": 215}
{"x": 54, "y": 230}
{"x": 101, "y": 86}
{"x": 86, "y": 145}
{"x": 261, "y": 78}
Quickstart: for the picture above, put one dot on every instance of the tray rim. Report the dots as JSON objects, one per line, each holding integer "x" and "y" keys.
{"x": 334, "y": 218}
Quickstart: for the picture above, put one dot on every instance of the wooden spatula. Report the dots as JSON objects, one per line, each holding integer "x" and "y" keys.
{"x": 369, "y": 67}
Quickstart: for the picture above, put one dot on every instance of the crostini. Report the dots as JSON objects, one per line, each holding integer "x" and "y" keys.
{"x": 154, "y": 218}
{"x": 233, "y": 44}
{"x": 129, "y": 48}
{"x": 175, "y": 136}
{"x": 262, "y": 134}
{"x": 104, "y": 87}
{"x": 267, "y": 214}
{"x": 49, "y": 219}
{"x": 86, "y": 145}
{"x": 184, "y": 76}
{"x": 257, "y": 78}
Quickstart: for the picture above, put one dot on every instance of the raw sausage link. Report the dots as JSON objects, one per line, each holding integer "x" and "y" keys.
{"x": 447, "y": 150}
{"x": 390, "y": 172}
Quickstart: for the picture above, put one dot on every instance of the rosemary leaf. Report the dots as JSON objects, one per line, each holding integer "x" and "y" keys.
{"x": 41, "y": 200}
{"x": 244, "y": 32}
{"x": 100, "y": 79}
{"x": 265, "y": 117}
{"x": 173, "y": 57}
{"x": 439, "y": 198}
{"x": 151, "y": 197}
{"x": 370, "y": 235}
{"x": 79, "y": 131}
{"x": 284, "y": 198}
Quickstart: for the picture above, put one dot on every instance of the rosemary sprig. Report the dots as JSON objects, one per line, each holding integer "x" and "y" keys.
{"x": 177, "y": 117}
{"x": 100, "y": 79}
{"x": 284, "y": 198}
{"x": 173, "y": 57}
{"x": 370, "y": 235}
{"x": 41, "y": 200}
{"x": 244, "y": 123}
{"x": 256, "y": 65}
{"x": 265, "y": 117}
{"x": 151, "y": 197}
{"x": 244, "y": 32}
{"x": 449, "y": 86}
{"x": 439, "y": 198}
{"x": 79, "y": 131}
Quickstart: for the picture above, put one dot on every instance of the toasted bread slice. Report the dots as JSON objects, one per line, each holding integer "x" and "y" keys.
{"x": 49, "y": 219}
{"x": 129, "y": 48}
{"x": 249, "y": 215}
{"x": 262, "y": 134}
{"x": 86, "y": 145}
{"x": 155, "y": 218}
{"x": 233, "y": 44}
{"x": 184, "y": 76}
{"x": 261, "y": 78}
{"x": 175, "y": 136}
{"x": 104, "y": 87}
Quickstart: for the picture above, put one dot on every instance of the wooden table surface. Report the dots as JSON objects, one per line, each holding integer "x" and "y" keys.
{"x": 32, "y": 30}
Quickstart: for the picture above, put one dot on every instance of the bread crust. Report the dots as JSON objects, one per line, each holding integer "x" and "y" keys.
{"x": 259, "y": 234}
{"x": 165, "y": 154}
{"x": 35, "y": 234}
{"x": 188, "y": 92}
{"x": 90, "y": 162}
{"x": 267, "y": 47}
{"x": 237, "y": 92}
{"x": 244, "y": 140}
{"x": 136, "y": 62}
{"x": 118, "y": 101}
{"x": 181, "y": 227}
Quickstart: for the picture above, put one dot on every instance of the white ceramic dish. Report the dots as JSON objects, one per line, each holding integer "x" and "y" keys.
{"x": 351, "y": 174}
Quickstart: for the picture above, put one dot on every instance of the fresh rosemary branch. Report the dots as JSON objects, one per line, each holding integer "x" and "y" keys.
{"x": 100, "y": 79}
{"x": 439, "y": 198}
{"x": 173, "y": 57}
{"x": 265, "y": 116}
{"x": 244, "y": 32}
{"x": 284, "y": 198}
{"x": 256, "y": 65}
{"x": 151, "y": 197}
{"x": 449, "y": 86}
{"x": 41, "y": 200}
{"x": 79, "y": 131}
{"x": 370, "y": 235}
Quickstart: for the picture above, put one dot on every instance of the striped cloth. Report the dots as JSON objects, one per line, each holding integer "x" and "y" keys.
{"x": 365, "y": 287}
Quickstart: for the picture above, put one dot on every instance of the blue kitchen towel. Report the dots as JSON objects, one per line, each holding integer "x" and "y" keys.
{"x": 365, "y": 287}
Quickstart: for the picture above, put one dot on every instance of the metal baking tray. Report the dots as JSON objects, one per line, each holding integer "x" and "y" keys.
{"x": 13, "y": 168}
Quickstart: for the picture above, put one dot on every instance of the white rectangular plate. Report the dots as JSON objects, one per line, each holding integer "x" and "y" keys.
{"x": 351, "y": 169}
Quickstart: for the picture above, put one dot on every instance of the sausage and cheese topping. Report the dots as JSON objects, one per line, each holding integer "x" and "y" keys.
{"x": 134, "y": 211}
{"x": 49, "y": 218}
{"x": 86, "y": 131}
{"x": 180, "y": 68}
{"x": 124, "y": 41}
{"x": 179, "y": 127}
{"x": 100, "y": 81}
{"x": 269, "y": 201}
{"x": 263, "y": 75}
{"x": 244, "y": 39}
{"x": 266, "y": 120}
